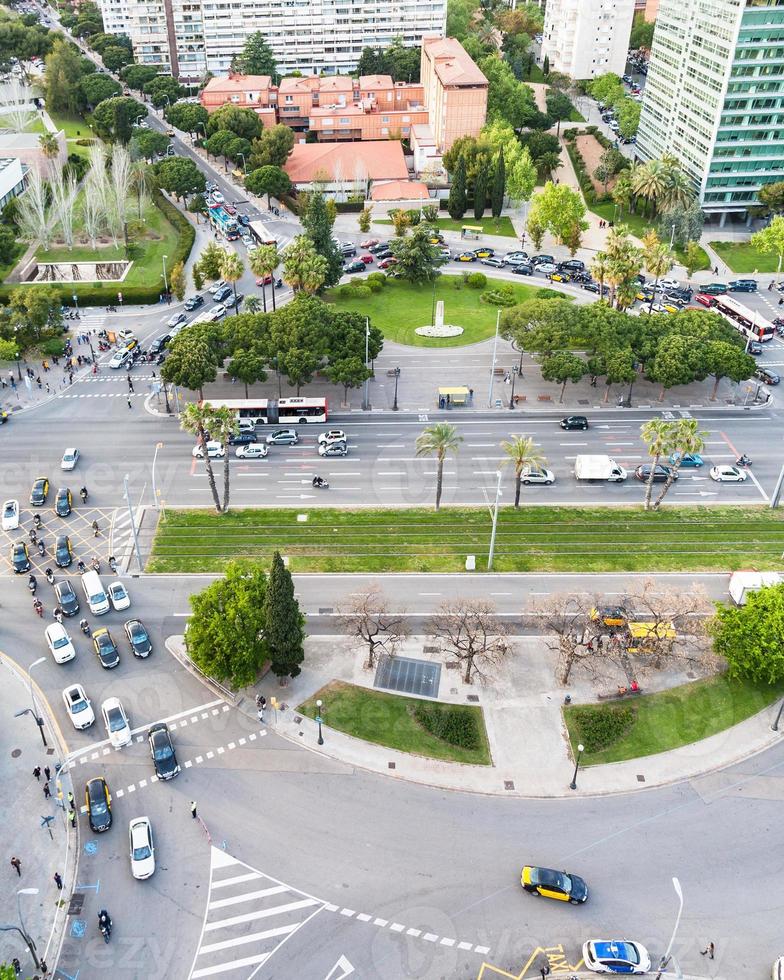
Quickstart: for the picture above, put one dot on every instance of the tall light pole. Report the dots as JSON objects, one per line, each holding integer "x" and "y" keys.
{"x": 664, "y": 961}
{"x": 319, "y": 719}
{"x": 491, "y": 553}
{"x": 515, "y": 376}
{"x": 366, "y": 399}
{"x": 165, "y": 280}
{"x": 672, "y": 236}
{"x": 21, "y": 927}
{"x": 34, "y": 709}
{"x": 394, "y": 403}
{"x": 158, "y": 445}
{"x": 127, "y": 495}
{"x": 775, "y": 726}
{"x": 580, "y": 750}
{"x": 492, "y": 366}
{"x": 244, "y": 164}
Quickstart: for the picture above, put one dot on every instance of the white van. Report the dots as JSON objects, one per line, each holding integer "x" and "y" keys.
{"x": 97, "y": 599}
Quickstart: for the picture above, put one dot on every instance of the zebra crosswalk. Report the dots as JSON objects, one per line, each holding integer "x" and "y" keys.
{"x": 249, "y": 916}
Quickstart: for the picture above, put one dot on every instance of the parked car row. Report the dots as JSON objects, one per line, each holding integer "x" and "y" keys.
{"x": 250, "y": 446}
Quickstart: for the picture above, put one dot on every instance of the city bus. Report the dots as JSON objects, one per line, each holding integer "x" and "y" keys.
{"x": 261, "y": 233}
{"x": 274, "y": 411}
{"x": 750, "y": 324}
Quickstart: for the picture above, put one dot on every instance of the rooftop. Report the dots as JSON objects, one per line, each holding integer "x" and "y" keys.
{"x": 451, "y": 62}
{"x": 399, "y": 190}
{"x": 370, "y": 82}
{"x": 237, "y": 83}
{"x": 373, "y": 159}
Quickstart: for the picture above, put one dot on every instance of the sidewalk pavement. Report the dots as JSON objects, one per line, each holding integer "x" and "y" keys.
{"x": 522, "y": 709}
{"x": 42, "y": 850}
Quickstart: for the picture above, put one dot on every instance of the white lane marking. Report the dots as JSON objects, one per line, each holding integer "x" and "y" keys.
{"x": 246, "y": 896}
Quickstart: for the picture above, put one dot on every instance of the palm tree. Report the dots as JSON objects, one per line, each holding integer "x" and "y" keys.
{"x": 656, "y": 434}
{"x": 224, "y": 425}
{"x": 263, "y": 262}
{"x": 49, "y": 146}
{"x": 658, "y": 260}
{"x": 678, "y": 190}
{"x": 438, "y": 440}
{"x": 303, "y": 268}
{"x": 685, "y": 437}
{"x": 649, "y": 181}
{"x": 600, "y": 268}
{"x": 232, "y": 268}
{"x": 521, "y": 452}
{"x": 198, "y": 419}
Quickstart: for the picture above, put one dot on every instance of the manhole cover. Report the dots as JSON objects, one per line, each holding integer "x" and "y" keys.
{"x": 326, "y": 610}
{"x": 472, "y": 697}
{"x": 583, "y": 401}
{"x": 297, "y": 719}
{"x": 392, "y": 765}
{"x": 411, "y": 676}
{"x": 508, "y": 784}
{"x": 16, "y": 753}
{"x": 76, "y": 903}
{"x": 640, "y": 779}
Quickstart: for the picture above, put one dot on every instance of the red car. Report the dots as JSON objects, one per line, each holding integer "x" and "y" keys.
{"x": 367, "y": 259}
{"x": 230, "y": 208}
{"x": 705, "y": 299}
{"x": 370, "y": 242}
{"x": 265, "y": 281}
{"x": 387, "y": 263}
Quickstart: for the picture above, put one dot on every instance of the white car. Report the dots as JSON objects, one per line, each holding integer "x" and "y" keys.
{"x": 177, "y": 330}
{"x": 141, "y": 847}
{"x": 218, "y": 311}
{"x": 214, "y": 450}
{"x": 10, "y": 515}
{"x": 116, "y": 721}
{"x": 124, "y": 336}
{"x": 616, "y": 956}
{"x": 669, "y": 284}
{"x": 70, "y": 459}
{"x": 728, "y": 474}
{"x": 60, "y": 645}
{"x": 119, "y": 596}
{"x": 546, "y": 268}
{"x": 78, "y": 706}
{"x": 254, "y": 450}
{"x": 119, "y": 359}
{"x": 531, "y": 474}
{"x": 247, "y": 241}
{"x": 333, "y": 435}
{"x": 216, "y": 287}
{"x": 217, "y": 197}
{"x": 176, "y": 318}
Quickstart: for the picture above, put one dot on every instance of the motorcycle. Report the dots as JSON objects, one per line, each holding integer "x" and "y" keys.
{"x": 41, "y": 548}
{"x": 96, "y": 565}
{"x": 105, "y": 925}
{"x": 112, "y": 564}
{"x": 32, "y": 535}
{"x": 83, "y": 494}
{"x": 32, "y": 585}
{"x": 49, "y": 576}
{"x": 84, "y": 626}
{"x": 743, "y": 460}
{"x": 320, "y": 484}
{"x": 102, "y": 345}
{"x": 37, "y": 520}
{"x": 278, "y": 283}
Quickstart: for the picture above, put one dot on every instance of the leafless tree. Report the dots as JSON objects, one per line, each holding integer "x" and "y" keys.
{"x": 35, "y": 225}
{"x": 16, "y": 100}
{"x": 565, "y": 618}
{"x": 119, "y": 193}
{"x": 64, "y": 191}
{"x": 367, "y": 618}
{"x": 470, "y": 631}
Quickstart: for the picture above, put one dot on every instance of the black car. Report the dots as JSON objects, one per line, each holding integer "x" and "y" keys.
{"x": 138, "y": 638}
{"x": 160, "y": 343}
{"x": 162, "y": 751}
{"x": 99, "y": 804}
{"x": 105, "y": 648}
{"x": 348, "y": 250}
{"x": 660, "y": 475}
{"x": 574, "y": 422}
{"x": 523, "y": 269}
{"x": 640, "y": 279}
{"x": 40, "y": 492}
{"x": 572, "y": 265}
{"x": 384, "y": 253}
{"x": 222, "y": 294}
{"x": 754, "y": 349}
{"x": 581, "y": 277}
{"x": 243, "y": 219}
{"x": 242, "y": 438}
{"x": 766, "y": 376}
{"x": 591, "y": 286}
{"x": 63, "y": 556}
{"x": 378, "y": 247}
{"x": 542, "y": 260}
{"x": 20, "y": 558}
{"x": 681, "y": 295}
{"x": 66, "y": 598}
{"x": 62, "y": 502}
{"x": 354, "y": 266}
{"x": 743, "y": 286}
{"x": 193, "y": 302}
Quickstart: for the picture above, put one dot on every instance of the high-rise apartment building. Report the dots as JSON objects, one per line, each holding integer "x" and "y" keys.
{"x": 191, "y": 37}
{"x": 714, "y": 97}
{"x": 586, "y": 38}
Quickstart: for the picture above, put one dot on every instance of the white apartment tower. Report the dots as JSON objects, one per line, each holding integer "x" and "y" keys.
{"x": 714, "y": 98}
{"x": 191, "y": 37}
{"x": 586, "y": 38}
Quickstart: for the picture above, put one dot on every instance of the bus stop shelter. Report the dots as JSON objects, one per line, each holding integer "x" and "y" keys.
{"x": 460, "y": 395}
{"x": 471, "y": 231}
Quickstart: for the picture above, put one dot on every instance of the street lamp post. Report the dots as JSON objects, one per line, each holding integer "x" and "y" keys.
{"x": 515, "y": 376}
{"x": 166, "y": 397}
{"x": 21, "y": 927}
{"x": 492, "y": 366}
{"x": 394, "y": 403}
{"x": 672, "y": 236}
{"x": 165, "y": 280}
{"x": 491, "y": 553}
{"x": 319, "y": 719}
{"x": 775, "y": 726}
{"x": 366, "y": 398}
{"x": 664, "y": 961}
{"x": 580, "y": 750}
{"x": 158, "y": 445}
{"x": 19, "y": 366}
{"x": 244, "y": 164}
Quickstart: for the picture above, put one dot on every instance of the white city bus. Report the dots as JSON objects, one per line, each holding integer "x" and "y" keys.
{"x": 274, "y": 411}
{"x": 748, "y": 322}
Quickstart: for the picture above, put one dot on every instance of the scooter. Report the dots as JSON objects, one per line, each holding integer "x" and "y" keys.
{"x": 278, "y": 283}
{"x": 105, "y": 925}
{"x": 41, "y": 548}
{"x": 743, "y": 460}
{"x": 83, "y": 494}
{"x": 84, "y": 626}
{"x": 320, "y": 484}
{"x": 37, "y": 520}
{"x": 32, "y": 585}
{"x": 112, "y": 564}
{"x": 49, "y": 576}
{"x": 96, "y": 565}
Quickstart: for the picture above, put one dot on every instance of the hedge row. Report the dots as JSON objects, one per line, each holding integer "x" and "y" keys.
{"x": 105, "y": 293}
{"x": 456, "y": 724}
{"x": 598, "y": 727}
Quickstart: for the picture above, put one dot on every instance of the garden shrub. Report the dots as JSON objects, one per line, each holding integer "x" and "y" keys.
{"x": 374, "y": 286}
{"x": 84, "y": 142}
{"x": 414, "y": 216}
{"x": 600, "y": 726}
{"x": 475, "y": 280}
{"x": 456, "y": 724}
{"x": 377, "y": 277}
{"x": 546, "y": 293}
{"x": 502, "y": 294}
{"x": 360, "y": 292}
{"x": 52, "y": 347}
{"x": 346, "y": 291}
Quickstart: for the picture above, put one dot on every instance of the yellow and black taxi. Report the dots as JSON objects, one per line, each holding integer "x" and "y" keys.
{"x": 40, "y": 492}
{"x": 613, "y": 616}
{"x": 105, "y": 648}
{"x": 466, "y": 257}
{"x": 484, "y": 252}
{"x": 99, "y": 804}
{"x": 63, "y": 552}
{"x": 63, "y": 502}
{"x": 554, "y": 884}
{"x": 435, "y": 237}
{"x": 559, "y": 276}
{"x": 20, "y": 557}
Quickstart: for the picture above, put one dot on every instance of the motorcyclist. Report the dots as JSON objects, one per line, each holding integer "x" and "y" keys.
{"x": 104, "y": 921}
{"x": 37, "y": 520}
{"x": 32, "y": 535}
{"x": 743, "y": 460}
{"x": 58, "y": 614}
{"x": 41, "y": 548}
{"x": 112, "y": 563}
{"x": 84, "y": 626}
{"x": 83, "y": 494}
{"x": 318, "y": 481}
{"x": 38, "y": 606}
{"x": 49, "y": 575}
{"x": 81, "y": 567}
{"x": 96, "y": 565}
{"x": 32, "y": 585}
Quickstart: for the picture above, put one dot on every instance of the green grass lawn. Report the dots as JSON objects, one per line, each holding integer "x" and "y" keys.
{"x": 682, "y": 715}
{"x": 741, "y": 257}
{"x": 386, "y": 719}
{"x": 74, "y": 127}
{"x": 546, "y": 539}
{"x": 705, "y": 262}
{"x": 636, "y": 224}
{"x": 490, "y": 225}
{"x": 576, "y": 116}
{"x": 401, "y": 307}
{"x": 159, "y": 238}
{"x": 536, "y": 75}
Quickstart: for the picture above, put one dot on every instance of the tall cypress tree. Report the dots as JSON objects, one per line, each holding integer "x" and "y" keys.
{"x": 284, "y": 631}
{"x": 480, "y": 191}
{"x": 499, "y": 185}
{"x": 318, "y": 226}
{"x": 458, "y": 202}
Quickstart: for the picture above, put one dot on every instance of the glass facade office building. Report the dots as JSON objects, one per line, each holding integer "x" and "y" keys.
{"x": 714, "y": 98}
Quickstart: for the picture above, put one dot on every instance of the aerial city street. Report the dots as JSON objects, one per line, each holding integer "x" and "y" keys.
{"x": 390, "y": 499}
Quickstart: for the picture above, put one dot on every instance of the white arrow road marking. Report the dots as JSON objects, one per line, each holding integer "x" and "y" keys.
{"x": 342, "y": 964}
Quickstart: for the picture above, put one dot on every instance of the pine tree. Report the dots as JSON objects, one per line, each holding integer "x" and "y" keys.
{"x": 546, "y": 66}
{"x": 499, "y": 185}
{"x": 480, "y": 193}
{"x": 284, "y": 631}
{"x": 457, "y": 203}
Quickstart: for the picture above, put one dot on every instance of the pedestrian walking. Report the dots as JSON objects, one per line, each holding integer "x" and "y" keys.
{"x": 48, "y": 773}
{"x": 39, "y": 383}
{"x": 17, "y": 966}
{"x": 72, "y": 817}
{"x": 48, "y": 389}
{"x": 709, "y": 950}
{"x": 58, "y": 880}
{"x": 47, "y": 791}
{"x": 129, "y": 402}
{"x": 130, "y": 385}
{"x": 16, "y": 864}
{"x": 96, "y": 529}
{"x": 71, "y": 803}
{"x": 193, "y": 809}
{"x": 37, "y": 773}
{"x": 715, "y": 270}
